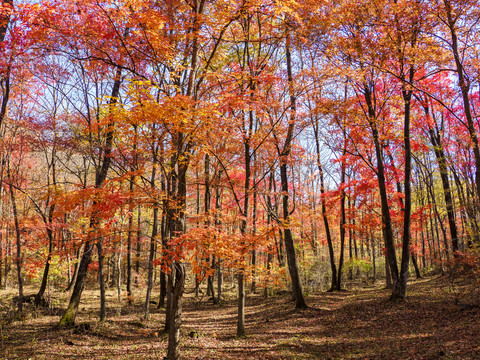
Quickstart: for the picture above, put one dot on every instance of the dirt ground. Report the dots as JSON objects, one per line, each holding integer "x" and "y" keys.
{"x": 355, "y": 324}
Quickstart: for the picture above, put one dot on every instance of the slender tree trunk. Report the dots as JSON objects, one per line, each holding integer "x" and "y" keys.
{"x": 8, "y": 253}
{"x": 219, "y": 281}
{"x": 43, "y": 286}
{"x": 78, "y": 253}
{"x": 243, "y": 230}
{"x": 438, "y": 221}
{"x": 163, "y": 275}
{"x": 241, "y": 305}
{"x": 139, "y": 244}
{"x": 284, "y": 155}
{"x": 129, "y": 245}
{"x": 118, "y": 265}
{"x": 178, "y": 283}
{"x": 101, "y": 280}
{"x": 400, "y": 287}
{"x": 70, "y": 314}
{"x": 2, "y": 222}
{"x": 374, "y": 259}
{"x": 211, "y": 279}
{"x": 388, "y": 276}
{"x": 168, "y": 310}
{"x": 447, "y": 194}
{"x": 217, "y": 225}
{"x": 153, "y": 239}
{"x": 253, "y": 287}
{"x": 173, "y": 352}
{"x": 386, "y": 219}
{"x": 415, "y": 266}
{"x": 18, "y": 260}
{"x": 326, "y": 224}
{"x": 350, "y": 242}
{"x": 48, "y": 221}
{"x": 342, "y": 225}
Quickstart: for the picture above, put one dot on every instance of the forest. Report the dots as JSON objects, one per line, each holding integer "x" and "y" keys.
{"x": 219, "y": 179}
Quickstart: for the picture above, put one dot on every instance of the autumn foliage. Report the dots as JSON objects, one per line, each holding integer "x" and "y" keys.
{"x": 252, "y": 139}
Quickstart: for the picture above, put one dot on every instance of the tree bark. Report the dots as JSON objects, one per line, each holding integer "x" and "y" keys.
{"x": 129, "y": 245}
{"x": 78, "y": 253}
{"x": 153, "y": 239}
{"x": 70, "y": 314}
{"x": 400, "y": 287}
{"x": 101, "y": 280}
{"x": 323, "y": 208}
{"x": 342, "y": 226}
{"x": 447, "y": 193}
{"x": 386, "y": 219}
{"x": 18, "y": 260}
{"x": 139, "y": 243}
{"x": 46, "y": 270}
{"x": 163, "y": 275}
{"x": 173, "y": 352}
{"x": 284, "y": 154}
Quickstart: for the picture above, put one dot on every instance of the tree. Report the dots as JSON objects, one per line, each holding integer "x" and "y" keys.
{"x": 6, "y": 8}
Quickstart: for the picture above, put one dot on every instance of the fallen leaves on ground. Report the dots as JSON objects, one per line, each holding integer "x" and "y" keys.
{"x": 355, "y": 324}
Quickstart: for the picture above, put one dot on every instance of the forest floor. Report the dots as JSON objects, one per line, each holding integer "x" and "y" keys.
{"x": 354, "y": 324}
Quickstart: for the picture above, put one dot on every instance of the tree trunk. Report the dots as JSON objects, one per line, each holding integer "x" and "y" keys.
{"x": 178, "y": 284}
{"x": 168, "y": 310}
{"x": 447, "y": 194}
{"x": 118, "y": 265}
{"x": 284, "y": 155}
{"x": 217, "y": 225}
{"x": 153, "y": 239}
{"x": 129, "y": 247}
{"x": 173, "y": 352}
{"x": 163, "y": 275}
{"x": 415, "y": 265}
{"x": 43, "y": 286}
{"x": 77, "y": 265}
{"x": 342, "y": 226}
{"x": 400, "y": 287}
{"x": 374, "y": 259}
{"x": 326, "y": 224}
{"x": 70, "y": 314}
{"x": 101, "y": 280}
{"x": 18, "y": 260}
{"x": 241, "y": 305}
{"x": 388, "y": 276}
{"x": 139, "y": 244}
{"x": 2, "y": 221}
{"x": 219, "y": 281}
{"x": 350, "y": 244}
{"x": 386, "y": 219}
